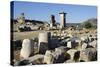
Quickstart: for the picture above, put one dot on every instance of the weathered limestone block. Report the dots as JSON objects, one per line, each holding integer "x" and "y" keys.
{"x": 48, "y": 58}
{"x": 26, "y": 48}
{"x": 61, "y": 49}
{"x": 36, "y": 59}
{"x": 78, "y": 44}
{"x": 89, "y": 54}
{"x": 60, "y": 55}
{"x": 93, "y": 43}
{"x": 69, "y": 45}
{"x": 72, "y": 53}
{"x": 83, "y": 38}
{"x": 84, "y": 46}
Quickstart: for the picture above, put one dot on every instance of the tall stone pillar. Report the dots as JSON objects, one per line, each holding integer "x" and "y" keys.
{"x": 52, "y": 21}
{"x": 62, "y": 20}
{"x": 44, "y": 40}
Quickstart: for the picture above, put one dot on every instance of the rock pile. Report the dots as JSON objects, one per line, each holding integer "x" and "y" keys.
{"x": 65, "y": 50}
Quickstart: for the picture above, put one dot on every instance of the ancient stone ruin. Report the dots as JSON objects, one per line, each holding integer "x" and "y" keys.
{"x": 53, "y": 43}
{"x": 62, "y": 20}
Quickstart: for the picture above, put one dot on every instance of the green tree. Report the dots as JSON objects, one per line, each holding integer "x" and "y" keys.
{"x": 88, "y": 25}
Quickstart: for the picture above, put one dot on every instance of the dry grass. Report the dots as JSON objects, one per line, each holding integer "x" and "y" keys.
{"x": 17, "y": 55}
{"x": 24, "y": 35}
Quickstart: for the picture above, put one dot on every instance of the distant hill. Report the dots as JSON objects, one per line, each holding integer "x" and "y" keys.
{"x": 32, "y": 21}
{"x": 93, "y": 21}
{"x": 72, "y": 24}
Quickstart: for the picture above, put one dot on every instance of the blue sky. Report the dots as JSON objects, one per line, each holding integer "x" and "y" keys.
{"x": 42, "y": 11}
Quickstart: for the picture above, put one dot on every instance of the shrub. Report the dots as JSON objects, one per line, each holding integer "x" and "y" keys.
{"x": 88, "y": 25}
